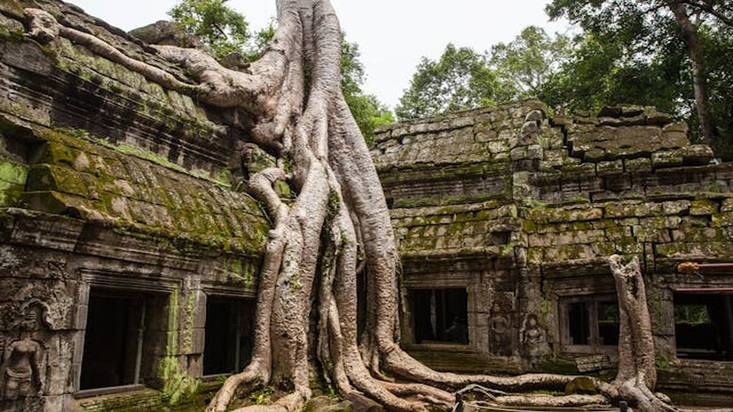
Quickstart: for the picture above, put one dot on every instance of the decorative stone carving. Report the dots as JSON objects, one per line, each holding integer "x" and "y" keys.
{"x": 533, "y": 338}
{"x": 24, "y": 360}
{"x": 500, "y": 340}
{"x": 9, "y": 260}
{"x": 53, "y": 299}
{"x": 15, "y": 262}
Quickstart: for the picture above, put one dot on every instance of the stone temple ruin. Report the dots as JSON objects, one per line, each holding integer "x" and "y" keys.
{"x": 129, "y": 258}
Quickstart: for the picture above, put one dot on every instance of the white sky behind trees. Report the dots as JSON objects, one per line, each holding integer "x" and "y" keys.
{"x": 392, "y": 34}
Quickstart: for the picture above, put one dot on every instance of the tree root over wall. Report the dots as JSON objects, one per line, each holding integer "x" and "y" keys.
{"x": 338, "y": 225}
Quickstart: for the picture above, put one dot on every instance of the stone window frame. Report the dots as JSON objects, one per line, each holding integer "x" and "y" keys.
{"x": 440, "y": 288}
{"x": 123, "y": 282}
{"x": 222, "y": 295}
{"x": 716, "y": 288}
{"x": 593, "y": 347}
{"x": 435, "y": 281}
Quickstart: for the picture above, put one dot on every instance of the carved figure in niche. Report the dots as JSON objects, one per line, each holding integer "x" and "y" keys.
{"x": 499, "y": 332}
{"x": 533, "y": 337}
{"x": 23, "y": 366}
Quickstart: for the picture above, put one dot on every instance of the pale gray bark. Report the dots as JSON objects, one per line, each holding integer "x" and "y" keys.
{"x": 637, "y": 373}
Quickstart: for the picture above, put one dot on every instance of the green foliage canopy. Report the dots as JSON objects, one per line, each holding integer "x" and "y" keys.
{"x": 461, "y": 79}
{"x": 220, "y": 27}
{"x": 367, "y": 110}
{"x": 634, "y": 52}
{"x": 525, "y": 65}
{"x": 465, "y": 79}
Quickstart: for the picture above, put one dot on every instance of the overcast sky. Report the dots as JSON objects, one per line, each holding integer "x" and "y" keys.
{"x": 392, "y": 34}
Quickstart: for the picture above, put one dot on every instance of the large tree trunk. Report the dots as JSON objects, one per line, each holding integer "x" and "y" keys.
{"x": 637, "y": 373}
{"x": 338, "y": 224}
{"x": 699, "y": 74}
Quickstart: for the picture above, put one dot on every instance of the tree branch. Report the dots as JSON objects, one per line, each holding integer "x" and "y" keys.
{"x": 707, "y": 7}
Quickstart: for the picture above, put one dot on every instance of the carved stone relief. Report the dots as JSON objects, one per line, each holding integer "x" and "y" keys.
{"x": 54, "y": 298}
{"x": 23, "y": 371}
{"x": 501, "y": 329}
{"x": 18, "y": 263}
{"x": 532, "y": 337}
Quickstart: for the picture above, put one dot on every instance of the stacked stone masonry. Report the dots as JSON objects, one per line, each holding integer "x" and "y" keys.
{"x": 116, "y": 205}
{"x": 117, "y": 197}
{"x": 521, "y": 208}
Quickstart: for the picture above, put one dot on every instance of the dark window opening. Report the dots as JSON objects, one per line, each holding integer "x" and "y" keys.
{"x": 229, "y": 335}
{"x": 113, "y": 340}
{"x": 608, "y": 323}
{"x": 589, "y": 323}
{"x": 578, "y": 324}
{"x": 440, "y": 315}
{"x": 704, "y": 326}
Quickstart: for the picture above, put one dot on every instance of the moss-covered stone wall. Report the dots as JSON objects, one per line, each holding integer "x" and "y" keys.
{"x": 566, "y": 192}
{"x": 109, "y": 182}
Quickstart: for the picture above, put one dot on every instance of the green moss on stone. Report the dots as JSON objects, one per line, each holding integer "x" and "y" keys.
{"x": 12, "y": 180}
{"x": 178, "y": 385}
{"x": 142, "y": 195}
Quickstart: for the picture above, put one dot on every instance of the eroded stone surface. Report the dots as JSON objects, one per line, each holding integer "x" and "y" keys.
{"x": 111, "y": 183}
{"x": 526, "y": 215}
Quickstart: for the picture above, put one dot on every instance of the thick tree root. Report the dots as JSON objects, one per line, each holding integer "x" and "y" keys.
{"x": 400, "y": 363}
{"x": 338, "y": 226}
{"x": 637, "y": 374}
{"x": 545, "y": 401}
{"x": 486, "y": 392}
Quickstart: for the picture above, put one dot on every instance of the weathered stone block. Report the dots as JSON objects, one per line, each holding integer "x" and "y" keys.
{"x": 624, "y": 209}
{"x": 667, "y": 159}
{"x": 535, "y": 255}
{"x": 535, "y": 116}
{"x": 723, "y": 219}
{"x": 485, "y": 134}
{"x": 610, "y": 121}
{"x": 566, "y": 238}
{"x": 697, "y": 154}
{"x": 519, "y": 153}
{"x": 674, "y": 140}
{"x": 498, "y": 146}
{"x": 594, "y": 154}
{"x": 727, "y": 205}
{"x": 569, "y": 252}
{"x": 703, "y": 207}
{"x": 676, "y": 207}
{"x": 555, "y": 215}
{"x": 534, "y": 152}
{"x": 461, "y": 121}
{"x": 680, "y": 127}
{"x": 610, "y": 167}
{"x": 638, "y": 165}
{"x": 552, "y": 138}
